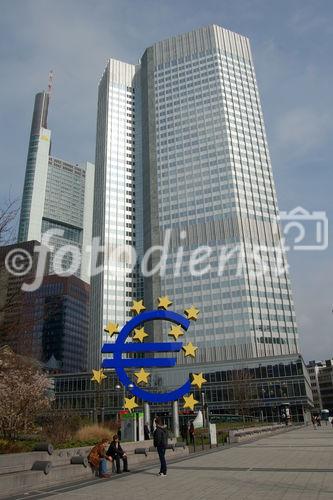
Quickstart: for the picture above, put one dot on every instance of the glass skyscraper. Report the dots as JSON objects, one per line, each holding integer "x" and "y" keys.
{"x": 182, "y": 155}
{"x": 57, "y": 195}
{"x": 118, "y": 153}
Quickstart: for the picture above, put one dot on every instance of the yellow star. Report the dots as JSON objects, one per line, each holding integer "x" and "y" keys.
{"x": 190, "y": 401}
{"x": 112, "y": 328}
{"x": 164, "y": 302}
{"x": 142, "y": 376}
{"x": 192, "y": 313}
{"x": 139, "y": 334}
{"x": 137, "y": 306}
{"x": 190, "y": 349}
{"x": 98, "y": 376}
{"x": 130, "y": 403}
{"x": 176, "y": 331}
{"x": 198, "y": 379}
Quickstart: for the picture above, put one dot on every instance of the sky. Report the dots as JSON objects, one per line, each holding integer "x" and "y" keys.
{"x": 292, "y": 45}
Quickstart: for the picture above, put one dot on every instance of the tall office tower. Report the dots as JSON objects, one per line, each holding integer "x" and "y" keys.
{"x": 114, "y": 222}
{"x": 57, "y": 195}
{"x": 206, "y": 181}
{"x": 209, "y": 174}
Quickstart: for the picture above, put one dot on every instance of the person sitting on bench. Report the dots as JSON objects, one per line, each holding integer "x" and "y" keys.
{"x": 97, "y": 459}
{"x": 116, "y": 452}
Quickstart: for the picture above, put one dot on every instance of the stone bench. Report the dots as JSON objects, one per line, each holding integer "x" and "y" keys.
{"x": 239, "y": 435}
{"x": 64, "y": 466}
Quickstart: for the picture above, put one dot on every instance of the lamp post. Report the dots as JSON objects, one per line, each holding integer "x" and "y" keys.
{"x": 203, "y": 405}
{"x": 97, "y": 378}
{"x": 118, "y": 387}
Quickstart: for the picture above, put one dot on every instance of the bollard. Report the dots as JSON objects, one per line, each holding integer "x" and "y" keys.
{"x": 43, "y": 466}
{"x": 44, "y": 447}
{"x": 77, "y": 460}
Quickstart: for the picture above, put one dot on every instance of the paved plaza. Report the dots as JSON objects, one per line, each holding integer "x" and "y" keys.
{"x": 291, "y": 465}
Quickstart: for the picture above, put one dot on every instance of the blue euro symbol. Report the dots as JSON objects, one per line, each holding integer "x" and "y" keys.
{"x": 119, "y": 347}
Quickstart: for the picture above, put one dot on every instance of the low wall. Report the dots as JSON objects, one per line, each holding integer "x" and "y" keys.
{"x": 24, "y": 472}
{"x": 239, "y": 435}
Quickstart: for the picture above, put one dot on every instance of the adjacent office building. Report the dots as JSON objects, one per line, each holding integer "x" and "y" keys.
{"x": 116, "y": 206}
{"x": 57, "y": 195}
{"x": 17, "y": 324}
{"x": 321, "y": 378}
{"x": 50, "y": 324}
{"x": 60, "y": 310}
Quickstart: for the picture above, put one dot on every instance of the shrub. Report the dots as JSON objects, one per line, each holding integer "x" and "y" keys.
{"x": 11, "y": 446}
{"x": 93, "y": 432}
{"x": 59, "y": 426}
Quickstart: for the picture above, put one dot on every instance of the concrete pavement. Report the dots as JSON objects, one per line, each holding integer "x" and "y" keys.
{"x": 293, "y": 465}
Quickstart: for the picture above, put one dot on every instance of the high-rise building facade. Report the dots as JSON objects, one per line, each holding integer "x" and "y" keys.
{"x": 114, "y": 222}
{"x": 49, "y": 324}
{"x": 191, "y": 168}
{"x": 57, "y": 195}
{"x": 60, "y": 308}
{"x": 321, "y": 378}
{"x": 16, "y": 322}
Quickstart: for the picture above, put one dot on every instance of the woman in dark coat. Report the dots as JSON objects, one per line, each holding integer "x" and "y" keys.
{"x": 160, "y": 443}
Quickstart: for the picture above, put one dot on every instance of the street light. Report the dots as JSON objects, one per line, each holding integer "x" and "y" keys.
{"x": 118, "y": 387}
{"x": 203, "y": 405}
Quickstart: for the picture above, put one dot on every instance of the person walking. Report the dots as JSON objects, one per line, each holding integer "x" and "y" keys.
{"x": 314, "y": 422}
{"x": 146, "y": 431}
{"x": 160, "y": 443}
{"x": 116, "y": 452}
{"x": 191, "y": 432}
{"x": 185, "y": 433}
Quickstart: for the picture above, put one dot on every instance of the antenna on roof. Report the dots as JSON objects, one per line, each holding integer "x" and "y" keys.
{"x": 50, "y": 82}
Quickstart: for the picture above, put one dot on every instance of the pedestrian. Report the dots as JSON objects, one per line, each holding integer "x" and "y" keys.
{"x": 314, "y": 422}
{"x": 98, "y": 458}
{"x": 184, "y": 433}
{"x": 160, "y": 443}
{"x": 146, "y": 431}
{"x": 117, "y": 453}
{"x": 191, "y": 432}
{"x": 119, "y": 432}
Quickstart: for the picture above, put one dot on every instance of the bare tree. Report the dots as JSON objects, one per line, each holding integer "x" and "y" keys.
{"x": 242, "y": 389}
{"x": 23, "y": 393}
{"x": 8, "y": 215}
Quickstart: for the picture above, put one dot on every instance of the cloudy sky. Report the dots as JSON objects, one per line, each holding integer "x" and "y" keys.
{"x": 292, "y": 45}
